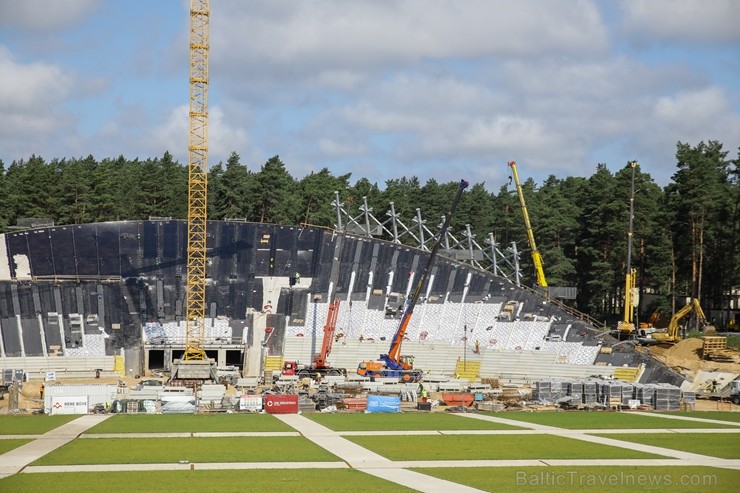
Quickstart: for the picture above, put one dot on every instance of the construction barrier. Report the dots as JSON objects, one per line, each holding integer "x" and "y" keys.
{"x": 281, "y": 404}
{"x": 383, "y": 404}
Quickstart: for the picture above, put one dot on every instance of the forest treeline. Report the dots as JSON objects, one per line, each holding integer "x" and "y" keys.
{"x": 685, "y": 241}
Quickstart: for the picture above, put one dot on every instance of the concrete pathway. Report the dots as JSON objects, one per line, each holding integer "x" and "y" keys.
{"x": 687, "y": 418}
{"x": 585, "y": 436}
{"x": 367, "y": 461}
{"x": 15, "y": 460}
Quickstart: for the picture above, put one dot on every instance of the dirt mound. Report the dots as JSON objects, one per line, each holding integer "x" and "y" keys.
{"x": 688, "y": 349}
{"x": 686, "y": 357}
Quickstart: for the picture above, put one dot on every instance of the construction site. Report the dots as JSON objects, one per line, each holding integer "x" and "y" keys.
{"x": 191, "y": 316}
{"x": 215, "y": 310}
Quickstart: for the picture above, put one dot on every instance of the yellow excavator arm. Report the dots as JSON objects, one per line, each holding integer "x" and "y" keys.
{"x": 692, "y": 306}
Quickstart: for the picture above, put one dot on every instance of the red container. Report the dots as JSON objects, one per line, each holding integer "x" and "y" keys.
{"x": 356, "y": 403}
{"x": 458, "y": 399}
{"x": 281, "y": 404}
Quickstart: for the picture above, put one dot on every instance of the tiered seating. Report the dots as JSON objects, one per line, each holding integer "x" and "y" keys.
{"x": 485, "y": 315}
{"x": 586, "y": 355}
{"x": 536, "y": 334}
{"x": 447, "y": 328}
{"x": 499, "y": 335}
{"x": 566, "y": 350}
{"x": 429, "y": 317}
{"x": 94, "y": 346}
{"x": 438, "y": 326}
{"x": 356, "y": 318}
{"x": 375, "y": 326}
{"x": 518, "y": 336}
{"x": 217, "y": 330}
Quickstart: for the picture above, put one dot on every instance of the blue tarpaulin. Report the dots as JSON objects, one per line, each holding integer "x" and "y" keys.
{"x": 383, "y": 404}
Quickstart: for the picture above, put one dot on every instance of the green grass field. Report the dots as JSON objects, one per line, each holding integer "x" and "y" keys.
{"x": 491, "y": 447}
{"x": 30, "y": 424}
{"x": 284, "y": 450}
{"x": 603, "y": 420}
{"x": 725, "y": 445}
{"x": 171, "y": 450}
{"x": 223, "y": 481}
{"x": 188, "y": 423}
{"x": 11, "y": 443}
{"x": 405, "y": 422}
{"x": 588, "y": 479}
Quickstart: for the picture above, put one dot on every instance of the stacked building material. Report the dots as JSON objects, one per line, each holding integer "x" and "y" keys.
{"x": 628, "y": 393}
{"x": 575, "y": 390}
{"x": 645, "y": 393}
{"x": 688, "y": 398}
{"x": 542, "y": 391}
{"x": 590, "y": 393}
{"x": 609, "y": 391}
{"x": 558, "y": 390}
{"x": 667, "y": 397}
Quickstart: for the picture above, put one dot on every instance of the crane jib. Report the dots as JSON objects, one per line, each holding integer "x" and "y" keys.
{"x": 394, "y": 353}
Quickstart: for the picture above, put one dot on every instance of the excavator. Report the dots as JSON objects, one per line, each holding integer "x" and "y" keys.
{"x": 671, "y": 335}
{"x": 393, "y": 364}
{"x": 320, "y": 365}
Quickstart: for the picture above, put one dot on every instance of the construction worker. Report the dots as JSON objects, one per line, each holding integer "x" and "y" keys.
{"x": 41, "y": 390}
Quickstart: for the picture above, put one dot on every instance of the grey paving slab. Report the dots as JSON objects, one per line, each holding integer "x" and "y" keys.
{"x": 511, "y": 422}
{"x": 687, "y": 418}
{"x": 183, "y": 467}
{"x": 367, "y": 461}
{"x": 198, "y": 434}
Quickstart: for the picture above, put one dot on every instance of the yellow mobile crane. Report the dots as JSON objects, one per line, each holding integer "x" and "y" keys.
{"x": 536, "y": 257}
{"x": 626, "y": 328}
{"x": 195, "y": 363}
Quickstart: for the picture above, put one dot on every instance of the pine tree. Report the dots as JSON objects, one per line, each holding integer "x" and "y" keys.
{"x": 277, "y": 201}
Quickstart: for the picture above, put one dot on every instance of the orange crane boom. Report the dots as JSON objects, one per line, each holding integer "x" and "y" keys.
{"x": 319, "y": 360}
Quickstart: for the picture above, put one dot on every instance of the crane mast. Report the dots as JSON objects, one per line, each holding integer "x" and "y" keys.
{"x": 197, "y": 182}
{"x": 626, "y": 326}
{"x": 536, "y": 257}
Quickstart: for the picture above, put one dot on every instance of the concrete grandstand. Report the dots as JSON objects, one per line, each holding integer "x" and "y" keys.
{"x": 109, "y": 296}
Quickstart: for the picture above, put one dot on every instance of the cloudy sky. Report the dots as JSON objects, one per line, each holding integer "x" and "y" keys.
{"x": 442, "y": 89}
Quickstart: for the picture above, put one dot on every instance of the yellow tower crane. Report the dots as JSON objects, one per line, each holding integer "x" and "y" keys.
{"x": 195, "y": 363}
{"x": 536, "y": 257}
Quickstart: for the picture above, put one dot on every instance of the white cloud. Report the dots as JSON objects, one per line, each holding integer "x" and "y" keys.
{"x": 683, "y": 21}
{"x": 340, "y": 148}
{"x": 172, "y": 135}
{"x": 331, "y": 34}
{"x": 30, "y": 98}
{"x": 43, "y": 15}
{"x": 30, "y": 87}
{"x": 691, "y": 109}
{"x": 694, "y": 116}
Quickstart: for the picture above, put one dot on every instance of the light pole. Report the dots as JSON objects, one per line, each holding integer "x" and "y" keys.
{"x": 465, "y": 348}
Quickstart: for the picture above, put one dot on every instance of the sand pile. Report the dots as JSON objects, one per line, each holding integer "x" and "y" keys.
{"x": 686, "y": 357}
